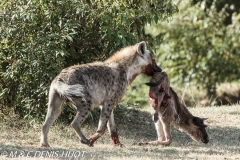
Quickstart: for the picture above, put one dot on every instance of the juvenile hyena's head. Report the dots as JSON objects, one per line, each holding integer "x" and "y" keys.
{"x": 145, "y": 57}
{"x": 198, "y": 131}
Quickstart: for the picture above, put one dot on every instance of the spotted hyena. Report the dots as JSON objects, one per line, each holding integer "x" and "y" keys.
{"x": 97, "y": 84}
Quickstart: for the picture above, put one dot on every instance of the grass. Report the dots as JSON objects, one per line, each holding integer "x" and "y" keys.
{"x": 21, "y": 139}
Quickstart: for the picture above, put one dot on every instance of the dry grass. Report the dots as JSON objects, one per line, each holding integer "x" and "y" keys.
{"x": 135, "y": 125}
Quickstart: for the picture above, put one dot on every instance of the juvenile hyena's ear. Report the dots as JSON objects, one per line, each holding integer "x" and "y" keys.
{"x": 153, "y": 84}
{"x": 198, "y": 122}
{"x": 141, "y": 49}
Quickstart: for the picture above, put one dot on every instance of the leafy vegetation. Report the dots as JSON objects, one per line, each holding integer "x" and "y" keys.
{"x": 39, "y": 38}
{"x": 198, "y": 46}
{"x": 201, "y": 44}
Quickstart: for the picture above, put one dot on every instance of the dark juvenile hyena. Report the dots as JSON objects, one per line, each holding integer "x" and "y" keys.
{"x": 160, "y": 93}
{"x": 171, "y": 111}
{"x": 97, "y": 84}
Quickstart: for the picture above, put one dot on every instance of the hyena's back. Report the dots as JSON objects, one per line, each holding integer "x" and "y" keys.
{"x": 95, "y": 81}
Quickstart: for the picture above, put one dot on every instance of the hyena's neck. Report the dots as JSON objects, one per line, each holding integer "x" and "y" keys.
{"x": 128, "y": 59}
{"x": 132, "y": 73}
{"x": 132, "y": 69}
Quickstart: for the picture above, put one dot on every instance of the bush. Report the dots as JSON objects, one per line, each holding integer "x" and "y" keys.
{"x": 198, "y": 47}
{"x": 39, "y": 38}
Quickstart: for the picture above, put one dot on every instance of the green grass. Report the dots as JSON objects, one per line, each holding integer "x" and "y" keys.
{"x": 18, "y": 136}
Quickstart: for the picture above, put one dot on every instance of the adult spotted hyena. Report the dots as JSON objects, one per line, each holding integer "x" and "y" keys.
{"x": 97, "y": 84}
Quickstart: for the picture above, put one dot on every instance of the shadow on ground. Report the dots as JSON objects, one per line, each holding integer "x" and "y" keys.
{"x": 134, "y": 125}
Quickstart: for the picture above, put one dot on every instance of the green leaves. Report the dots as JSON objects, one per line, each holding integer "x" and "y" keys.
{"x": 39, "y": 38}
{"x": 198, "y": 46}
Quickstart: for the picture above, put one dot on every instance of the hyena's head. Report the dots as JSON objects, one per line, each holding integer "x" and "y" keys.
{"x": 149, "y": 66}
{"x": 198, "y": 131}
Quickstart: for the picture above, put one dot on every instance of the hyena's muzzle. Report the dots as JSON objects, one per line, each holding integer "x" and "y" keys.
{"x": 152, "y": 68}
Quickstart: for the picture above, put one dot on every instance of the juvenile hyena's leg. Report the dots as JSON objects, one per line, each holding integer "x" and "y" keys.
{"x": 160, "y": 134}
{"x": 54, "y": 110}
{"x": 83, "y": 109}
{"x": 163, "y": 131}
{"x": 167, "y": 131}
{"x": 160, "y": 99}
{"x": 113, "y": 130}
{"x": 159, "y": 129}
{"x": 106, "y": 111}
{"x": 175, "y": 114}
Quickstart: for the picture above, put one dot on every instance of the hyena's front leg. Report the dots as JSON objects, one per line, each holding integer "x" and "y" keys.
{"x": 113, "y": 131}
{"x": 102, "y": 125}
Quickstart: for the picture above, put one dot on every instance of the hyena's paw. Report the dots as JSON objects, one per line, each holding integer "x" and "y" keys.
{"x": 92, "y": 139}
{"x": 87, "y": 142}
{"x": 44, "y": 145}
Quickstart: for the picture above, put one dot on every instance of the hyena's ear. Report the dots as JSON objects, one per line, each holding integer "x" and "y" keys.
{"x": 141, "y": 49}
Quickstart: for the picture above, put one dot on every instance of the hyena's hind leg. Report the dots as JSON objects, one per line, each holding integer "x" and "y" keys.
{"x": 83, "y": 109}
{"x": 106, "y": 111}
{"x": 54, "y": 110}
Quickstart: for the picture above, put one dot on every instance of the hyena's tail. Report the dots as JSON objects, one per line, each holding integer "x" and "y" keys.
{"x": 68, "y": 91}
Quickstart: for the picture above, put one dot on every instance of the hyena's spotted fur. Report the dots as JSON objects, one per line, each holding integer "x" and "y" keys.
{"x": 97, "y": 84}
